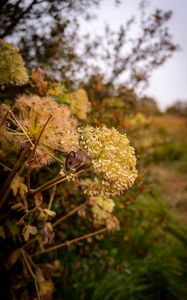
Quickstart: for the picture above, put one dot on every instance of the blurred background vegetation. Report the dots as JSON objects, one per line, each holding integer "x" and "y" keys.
{"x": 147, "y": 258}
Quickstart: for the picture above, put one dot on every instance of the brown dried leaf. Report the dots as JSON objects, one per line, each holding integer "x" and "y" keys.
{"x": 38, "y": 80}
{"x": 49, "y": 212}
{"x": 38, "y": 199}
{"x": 27, "y": 230}
{"x": 47, "y": 233}
{"x": 17, "y": 206}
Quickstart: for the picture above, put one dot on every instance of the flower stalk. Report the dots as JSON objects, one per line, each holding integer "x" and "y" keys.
{"x": 7, "y": 185}
{"x": 68, "y": 243}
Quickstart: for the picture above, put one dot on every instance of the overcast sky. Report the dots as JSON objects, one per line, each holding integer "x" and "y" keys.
{"x": 169, "y": 82}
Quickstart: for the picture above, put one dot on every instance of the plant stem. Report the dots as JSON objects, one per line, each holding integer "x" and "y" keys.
{"x": 48, "y": 184}
{"x": 5, "y": 167}
{"x": 56, "y": 223}
{"x": 68, "y": 215}
{"x": 58, "y": 179}
{"x": 31, "y": 272}
{"x": 68, "y": 243}
{"x": 18, "y": 123}
{"x": 34, "y": 147}
{"x": 7, "y": 185}
{"x": 52, "y": 197}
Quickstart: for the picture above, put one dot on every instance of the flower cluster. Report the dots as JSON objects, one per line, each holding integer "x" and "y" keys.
{"x": 114, "y": 166}
{"x": 113, "y": 159}
{"x": 12, "y": 68}
{"x": 46, "y": 123}
{"x": 102, "y": 209}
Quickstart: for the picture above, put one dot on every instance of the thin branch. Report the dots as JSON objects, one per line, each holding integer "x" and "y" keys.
{"x": 6, "y": 167}
{"x": 34, "y": 149}
{"x": 52, "y": 197}
{"x": 31, "y": 272}
{"x": 7, "y": 185}
{"x": 16, "y": 20}
{"x": 38, "y": 139}
{"x": 29, "y": 180}
{"x": 58, "y": 179}
{"x": 18, "y": 123}
{"x": 68, "y": 243}
{"x": 72, "y": 212}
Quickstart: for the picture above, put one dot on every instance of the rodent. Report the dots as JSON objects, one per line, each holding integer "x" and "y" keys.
{"x": 76, "y": 159}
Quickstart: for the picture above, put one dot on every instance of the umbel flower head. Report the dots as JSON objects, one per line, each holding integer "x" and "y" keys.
{"x": 102, "y": 209}
{"x": 60, "y": 133}
{"x": 114, "y": 166}
{"x": 12, "y": 67}
{"x": 113, "y": 160}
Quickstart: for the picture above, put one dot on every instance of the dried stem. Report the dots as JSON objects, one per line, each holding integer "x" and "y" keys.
{"x": 41, "y": 132}
{"x": 52, "y": 197}
{"x": 7, "y": 185}
{"x": 18, "y": 123}
{"x": 68, "y": 243}
{"x": 5, "y": 167}
{"x": 72, "y": 212}
{"x": 29, "y": 180}
{"x": 31, "y": 272}
{"x": 58, "y": 179}
{"x": 34, "y": 149}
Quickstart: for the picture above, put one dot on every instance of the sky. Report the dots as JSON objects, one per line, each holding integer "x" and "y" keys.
{"x": 169, "y": 82}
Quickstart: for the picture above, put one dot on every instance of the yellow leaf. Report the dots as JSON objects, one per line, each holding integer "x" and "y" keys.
{"x": 27, "y": 230}
{"x": 18, "y": 186}
{"x": 49, "y": 212}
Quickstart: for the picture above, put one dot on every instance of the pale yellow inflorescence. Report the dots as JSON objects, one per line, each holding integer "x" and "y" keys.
{"x": 114, "y": 166}
{"x": 113, "y": 159}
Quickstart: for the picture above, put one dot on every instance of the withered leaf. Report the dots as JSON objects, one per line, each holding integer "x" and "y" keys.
{"x": 38, "y": 199}
{"x": 18, "y": 206}
{"x": 49, "y": 212}
{"x": 27, "y": 230}
{"x": 47, "y": 233}
{"x": 38, "y": 80}
{"x": 18, "y": 186}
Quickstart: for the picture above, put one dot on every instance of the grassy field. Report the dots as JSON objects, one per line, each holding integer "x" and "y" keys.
{"x": 170, "y": 166}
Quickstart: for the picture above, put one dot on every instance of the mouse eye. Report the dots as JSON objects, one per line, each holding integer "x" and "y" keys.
{"x": 70, "y": 163}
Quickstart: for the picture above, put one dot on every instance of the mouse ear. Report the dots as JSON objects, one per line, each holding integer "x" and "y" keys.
{"x": 72, "y": 154}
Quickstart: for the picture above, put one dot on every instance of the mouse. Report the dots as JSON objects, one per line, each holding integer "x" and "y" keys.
{"x": 75, "y": 159}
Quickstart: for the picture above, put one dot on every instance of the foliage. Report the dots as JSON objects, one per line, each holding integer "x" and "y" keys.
{"x": 178, "y": 108}
{"x": 41, "y": 131}
{"x": 12, "y": 67}
{"x": 47, "y": 36}
{"x": 78, "y": 221}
